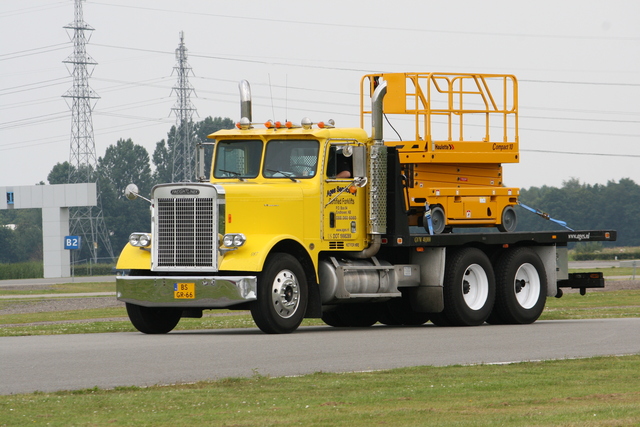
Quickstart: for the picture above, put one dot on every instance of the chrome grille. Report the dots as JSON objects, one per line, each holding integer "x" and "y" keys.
{"x": 186, "y": 235}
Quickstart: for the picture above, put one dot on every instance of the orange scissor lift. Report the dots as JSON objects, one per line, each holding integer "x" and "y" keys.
{"x": 466, "y": 127}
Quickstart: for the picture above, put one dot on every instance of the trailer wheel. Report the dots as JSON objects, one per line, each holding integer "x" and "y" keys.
{"x": 153, "y": 320}
{"x": 509, "y": 220}
{"x": 469, "y": 288}
{"x": 521, "y": 287}
{"x": 282, "y": 295}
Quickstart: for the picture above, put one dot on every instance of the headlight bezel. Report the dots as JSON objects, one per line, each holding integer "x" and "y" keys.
{"x": 233, "y": 240}
{"x": 140, "y": 240}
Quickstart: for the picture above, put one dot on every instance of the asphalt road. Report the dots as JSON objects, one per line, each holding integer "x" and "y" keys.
{"x": 69, "y": 362}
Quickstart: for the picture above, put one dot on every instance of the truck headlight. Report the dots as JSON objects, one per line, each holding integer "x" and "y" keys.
{"x": 234, "y": 240}
{"x": 140, "y": 240}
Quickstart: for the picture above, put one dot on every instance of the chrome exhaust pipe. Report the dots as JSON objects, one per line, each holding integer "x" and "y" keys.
{"x": 245, "y": 100}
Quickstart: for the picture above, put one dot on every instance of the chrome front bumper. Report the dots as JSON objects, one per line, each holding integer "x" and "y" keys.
{"x": 208, "y": 291}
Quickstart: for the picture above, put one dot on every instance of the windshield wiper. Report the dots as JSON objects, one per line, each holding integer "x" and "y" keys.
{"x": 234, "y": 173}
{"x": 285, "y": 174}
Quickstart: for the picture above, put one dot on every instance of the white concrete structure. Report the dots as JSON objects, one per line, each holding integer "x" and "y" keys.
{"x": 55, "y": 201}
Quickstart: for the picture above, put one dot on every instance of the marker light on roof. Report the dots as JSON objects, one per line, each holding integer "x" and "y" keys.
{"x": 244, "y": 124}
{"x": 329, "y": 124}
{"x": 306, "y": 123}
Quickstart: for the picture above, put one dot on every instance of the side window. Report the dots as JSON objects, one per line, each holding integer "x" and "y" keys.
{"x": 339, "y": 166}
{"x": 238, "y": 159}
{"x": 291, "y": 159}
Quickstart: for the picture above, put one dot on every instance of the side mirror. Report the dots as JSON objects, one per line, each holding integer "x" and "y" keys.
{"x": 131, "y": 192}
{"x": 359, "y": 161}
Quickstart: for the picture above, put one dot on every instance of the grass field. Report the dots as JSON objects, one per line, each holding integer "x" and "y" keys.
{"x": 603, "y": 391}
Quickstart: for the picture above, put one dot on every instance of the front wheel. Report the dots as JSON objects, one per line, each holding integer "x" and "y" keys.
{"x": 282, "y": 295}
{"x": 521, "y": 283}
{"x": 153, "y": 320}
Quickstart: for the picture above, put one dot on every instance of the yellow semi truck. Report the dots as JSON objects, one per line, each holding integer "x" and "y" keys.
{"x": 311, "y": 220}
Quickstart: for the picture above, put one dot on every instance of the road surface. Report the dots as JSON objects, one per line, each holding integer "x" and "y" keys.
{"x": 70, "y": 362}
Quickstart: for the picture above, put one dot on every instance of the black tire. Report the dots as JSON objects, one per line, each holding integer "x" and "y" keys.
{"x": 359, "y": 315}
{"x": 439, "y": 319}
{"x": 332, "y": 318}
{"x": 469, "y": 288}
{"x": 153, "y": 320}
{"x": 282, "y": 295}
{"x": 521, "y": 287}
{"x": 509, "y": 220}
{"x": 398, "y": 311}
{"x": 352, "y": 315}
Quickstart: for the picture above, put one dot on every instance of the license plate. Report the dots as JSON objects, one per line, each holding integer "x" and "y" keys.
{"x": 184, "y": 290}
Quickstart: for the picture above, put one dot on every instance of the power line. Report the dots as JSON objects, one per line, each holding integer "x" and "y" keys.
{"x": 577, "y": 153}
{"x": 31, "y": 9}
{"x": 569, "y": 82}
{"x": 65, "y": 79}
{"x": 28, "y": 52}
{"x": 351, "y": 25}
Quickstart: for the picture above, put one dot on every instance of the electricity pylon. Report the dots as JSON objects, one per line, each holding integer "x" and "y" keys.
{"x": 88, "y": 221}
{"x": 184, "y": 149}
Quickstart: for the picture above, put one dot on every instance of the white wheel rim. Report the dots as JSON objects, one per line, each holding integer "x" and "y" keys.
{"x": 526, "y": 286}
{"x": 475, "y": 287}
{"x": 285, "y": 294}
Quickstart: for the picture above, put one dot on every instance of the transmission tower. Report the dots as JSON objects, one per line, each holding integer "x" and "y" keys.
{"x": 184, "y": 148}
{"x": 88, "y": 221}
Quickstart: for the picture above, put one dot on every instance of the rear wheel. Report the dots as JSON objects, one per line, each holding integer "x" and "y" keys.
{"x": 521, "y": 287}
{"x": 282, "y": 295}
{"x": 469, "y": 288}
{"x": 153, "y": 320}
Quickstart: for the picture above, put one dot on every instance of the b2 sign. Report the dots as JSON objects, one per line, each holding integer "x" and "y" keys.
{"x": 72, "y": 242}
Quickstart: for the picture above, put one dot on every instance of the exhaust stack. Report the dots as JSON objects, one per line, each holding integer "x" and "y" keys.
{"x": 377, "y": 209}
{"x": 378, "y": 166}
{"x": 245, "y": 99}
{"x": 376, "y": 112}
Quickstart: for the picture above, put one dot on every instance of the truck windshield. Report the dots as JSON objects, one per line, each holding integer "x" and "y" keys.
{"x": 291, "y": 159}
{"x": 238, "y": 159}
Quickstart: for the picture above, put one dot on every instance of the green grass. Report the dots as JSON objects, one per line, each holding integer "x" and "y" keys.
{"x": 609, "y": 271}
{"x": 602, "y": 391}
{"x": 64, "y": 289}
{"x": 593, "y": 305}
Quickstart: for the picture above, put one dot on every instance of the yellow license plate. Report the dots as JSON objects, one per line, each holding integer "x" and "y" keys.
{"x": 184, "y": 290}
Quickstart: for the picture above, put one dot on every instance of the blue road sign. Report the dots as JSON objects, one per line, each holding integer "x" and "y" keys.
{"x": 72, "y": 242}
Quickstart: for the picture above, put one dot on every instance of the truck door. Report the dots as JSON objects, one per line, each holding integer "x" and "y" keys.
{"x": 343, "y": 203}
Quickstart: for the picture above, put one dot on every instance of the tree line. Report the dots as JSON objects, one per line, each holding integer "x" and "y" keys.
{"x": 615, "y": 205}
{"x": 612, "y": 206}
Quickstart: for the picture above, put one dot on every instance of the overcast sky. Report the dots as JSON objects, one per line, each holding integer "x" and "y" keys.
{"x": 577, "y": 62}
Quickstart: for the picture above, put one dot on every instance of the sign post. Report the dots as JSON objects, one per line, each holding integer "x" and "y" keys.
{"x": 73, "y": 243}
